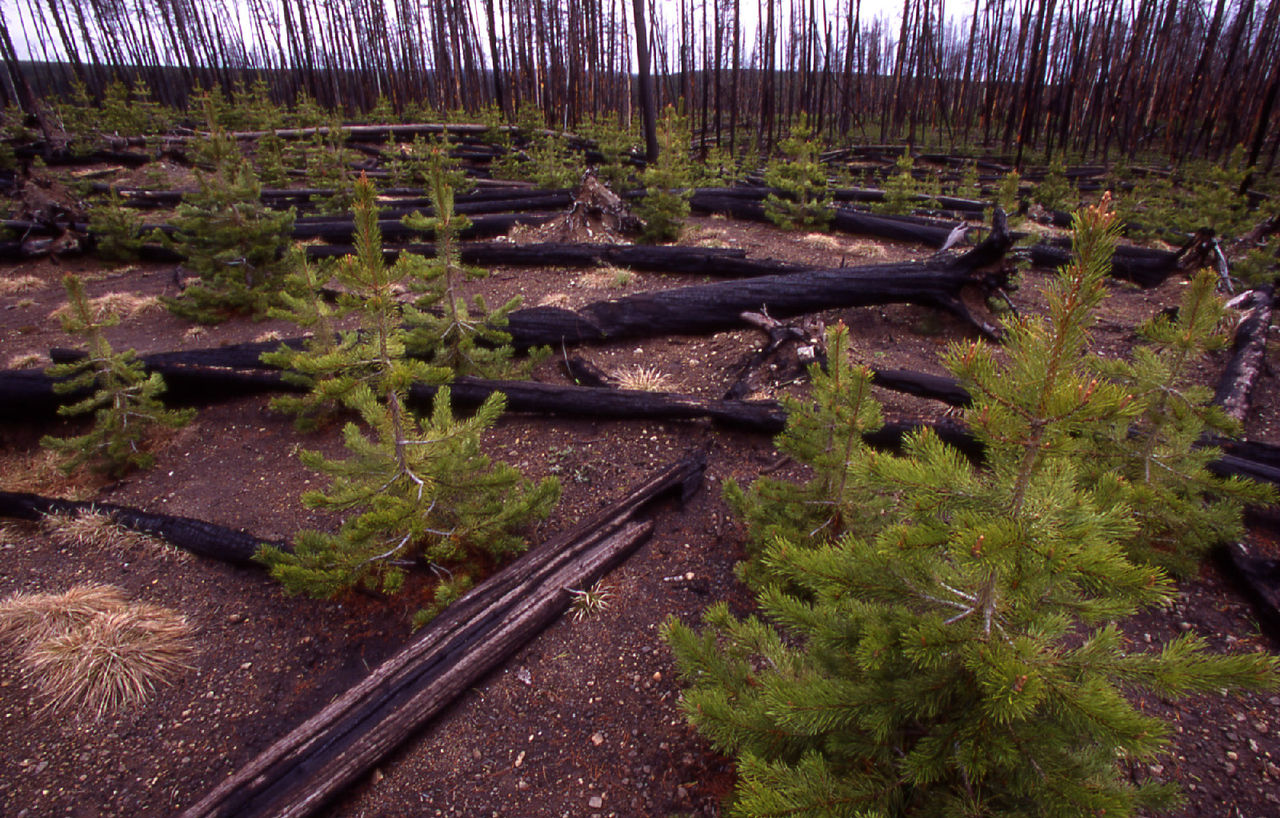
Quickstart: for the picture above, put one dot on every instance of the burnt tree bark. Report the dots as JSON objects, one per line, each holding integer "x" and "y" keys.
{"x": 1248, "y": 355}
{"x": 708, "y": 261}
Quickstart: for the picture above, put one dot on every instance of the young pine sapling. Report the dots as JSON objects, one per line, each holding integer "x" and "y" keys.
{"x": 125, "y": 400}
{"x": 415, "y": 491}
{"x": 952, "y": 650}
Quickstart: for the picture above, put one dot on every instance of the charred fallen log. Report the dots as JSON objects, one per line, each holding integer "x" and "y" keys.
{"x": 929, "y": 232}
{"x": 936, "y": 283}
{"x": 304, "y": 769}
{"x": 1143, "y": 266}
{"x": 1248, "y": 353}
{"x": 64, "y": 157}
{"x": 483, "y": 226}
{"x": 540, "y": 200}
{"x": 1259, "y": 576}
{"x": 197, "y": 536}
{"x": 143, "y": 198}
{"x": 706, "y": 261}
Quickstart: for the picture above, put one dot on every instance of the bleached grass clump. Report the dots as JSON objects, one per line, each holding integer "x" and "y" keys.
{"x": 98, "y": 529}
{"x": 37, "y": 471}
{"x": 643, "y": 379}
{"x": 26, "y": 360}
{"x": 124, "y": 305}
{"x": 91, "y": 650}
{"x": 18, "y": 285}
{"x": 28, "y": 619}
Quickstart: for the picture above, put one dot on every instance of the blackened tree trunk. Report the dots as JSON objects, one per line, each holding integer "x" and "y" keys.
{"x": 645, "y": 88}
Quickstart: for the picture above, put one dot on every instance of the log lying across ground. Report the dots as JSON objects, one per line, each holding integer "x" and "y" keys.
{"x": 845, "y": 220}
{"x": 29, "y": 396}
{"x": 709, "y": 261}
{"x": 1143, "y": 266}
{"x": 1248, "y": 353}
{"x": 144, "y": 198}
{"x": 302, "y": 771}
{"x": 222, "y": 380}
{"x": 936, "y": 283}
{"x": 197, "y": 536}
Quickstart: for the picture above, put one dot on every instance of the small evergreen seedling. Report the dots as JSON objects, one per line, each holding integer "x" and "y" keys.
{"x": 116, "y": 230}
{"x": 1008, "y": 193}
{"x": 1182, "y": 509}
{"x": 551, "y": 163}
{"x": 467, "y": 340}
{"x": 665, "y": 204}
{"x": 617, "y": 146}
{"x": 1055, "y": 192}
{"x": 328, "y": 166}
{"x": 303, "y": 303}
{"x": 824, "y": 433}
{"x": 234, "y": 243}
{"x": 125, "y": 401}
{"x": 900, "y": 189}
{"x": 335, "y": 365}
{"x": 415, "y": 491}
{"x": 805, "y": 203}
{"x": 953, "y": 651}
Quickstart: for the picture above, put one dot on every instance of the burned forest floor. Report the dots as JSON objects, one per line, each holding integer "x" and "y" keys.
{"x": 585, "y": 719}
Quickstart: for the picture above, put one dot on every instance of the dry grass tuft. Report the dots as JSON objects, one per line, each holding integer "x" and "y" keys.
{"x": 98, "y": 529}
{"x": 555, "y": 300}
{"x": 19, "y": 284}
{"x": 590, "y": 602}
{"x": 27, "y": 360}
{"x": 865, "y": 249}
{"x": 91, "y": 650}
{"x": 824, "y": 240}
{"x": 114, "y": 661}
{"x": 29, "y": 619}
{"x": 38, "y": 471}
{"x": 642, "y": 379}
{"x": 595, "y": 280}
{"x": 124, "y": 305}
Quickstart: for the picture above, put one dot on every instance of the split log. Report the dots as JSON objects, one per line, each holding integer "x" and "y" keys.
{"x": 1248, "y": 353}
{"x": 197, "y": 536}
{"x": 398, "y": 209}
{"x": 302, "y": 771}
{"x": 1143, "y": 266}
{"x": 707, "y": 261}
{"x": 936, "y": 283}
{"x": 342, "y": 230}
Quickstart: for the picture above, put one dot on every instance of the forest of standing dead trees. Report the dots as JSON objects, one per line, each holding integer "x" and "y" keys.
{"x": 1173, "y": 78}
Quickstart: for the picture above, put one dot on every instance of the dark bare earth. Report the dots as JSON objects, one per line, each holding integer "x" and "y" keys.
{"x": 584, "y": 720}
